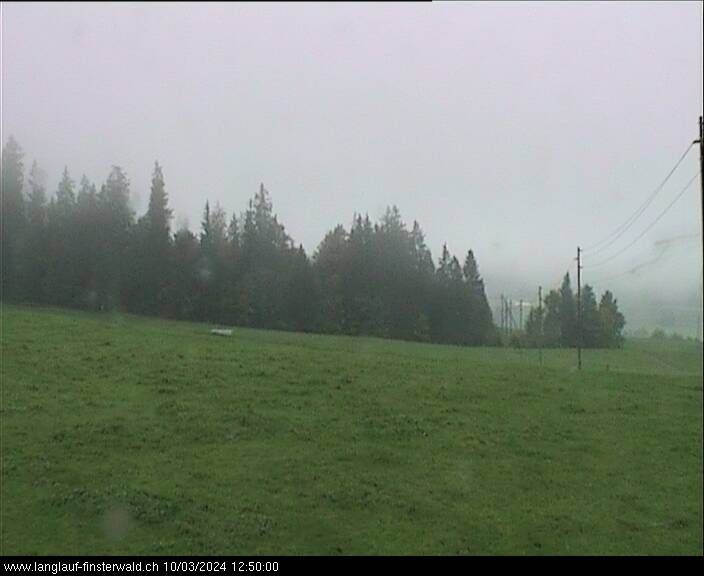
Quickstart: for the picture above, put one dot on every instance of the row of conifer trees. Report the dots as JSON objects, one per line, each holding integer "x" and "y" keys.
{"x": 84, "y": 247}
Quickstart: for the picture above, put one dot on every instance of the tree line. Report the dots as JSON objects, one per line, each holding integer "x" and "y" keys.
{"x": 85, "y": 247}
{"x": 556, "y": 322}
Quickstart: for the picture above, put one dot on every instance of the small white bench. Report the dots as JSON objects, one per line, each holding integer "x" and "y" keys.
{"x": 221, "y": 331}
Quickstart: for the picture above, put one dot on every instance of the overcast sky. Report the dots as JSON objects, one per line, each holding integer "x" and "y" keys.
{"x": 519, "y": 130}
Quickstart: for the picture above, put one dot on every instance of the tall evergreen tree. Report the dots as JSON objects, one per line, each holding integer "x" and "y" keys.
{"x": 394, "y": 267}
{"x": 450, "y": 308}
{"x": 481, "y": 317}
{"x": 160, "y": 242}
{"x": 421, "y": 284}
{"x": 204, "y": 306}
{"x": 151, "y": 253}
{"x": 552, "y": 324}
{"x": 89, "y": 249}
{"x": 36, "y": 200}
{"x": 361, "y": 272}
{"x": 301, "y": 294}
{"x": 116, "y": 219}
{"x": 233, "y": 232}
{"x": 184, "y": 290}
{"x": 590, "y": 319}
{"x": 534, "y": 327}
{"x": 329, "y": 264}
{"x": 423, "y": 258}
{"x": 611, "y": 320}
{"x": 36, "y": 248}
{"x": 12, "y": 218}
{"x": 65, "y": 193}
{"x": 62, "y": 287}
{"x": 568, "y": 314}
{"x": 443, "y": 269}
{"x": 159, "y": 214}
{"x": 265, "y": 251}
{"x": 216, "y": 253}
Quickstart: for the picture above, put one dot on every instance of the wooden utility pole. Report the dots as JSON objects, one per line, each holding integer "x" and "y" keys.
{"x": 701, "y": 180}
{"x": 579, "y": 308}
{"x": 540, "y": 316}
{"x": 701, "y": 167}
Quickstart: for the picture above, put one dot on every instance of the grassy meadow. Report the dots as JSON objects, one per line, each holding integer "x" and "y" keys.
{"x": 140, "y": 436}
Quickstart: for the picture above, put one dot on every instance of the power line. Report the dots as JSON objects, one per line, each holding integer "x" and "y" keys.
{"x": 633, "y": 270}
{"x": 618, "y": 232}
{"x": 670, "y": 205}
{"x": 637, "y": 267}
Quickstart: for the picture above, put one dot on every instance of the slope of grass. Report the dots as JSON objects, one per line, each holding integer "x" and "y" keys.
{"x": 128, "y": 435}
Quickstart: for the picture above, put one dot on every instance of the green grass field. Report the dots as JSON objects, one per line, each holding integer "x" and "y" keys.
{"x": 129, "y": 435}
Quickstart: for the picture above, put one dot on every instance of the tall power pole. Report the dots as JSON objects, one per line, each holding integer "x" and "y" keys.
{"x": 701, "y": 180}
{"x": 701, "y": 166}
{"x": 540, "y": 316}
{"x": 579, "y": 307}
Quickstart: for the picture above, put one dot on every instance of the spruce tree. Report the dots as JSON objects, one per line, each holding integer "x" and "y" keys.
{"x": 89, "y": 237}
{"x": 552, "y": 324}
{"x": 611, "y": 321}
{"x": 568, "y": 314}
{"x": 481, "y": 318}
{"x": 534, "y": 327}
{"x": 116, "y": 219}
{"x": 590, "y": 319}
{"x": 62, "y": 288}
{"x": 35, "y": 260}
{"x": 151, "y": 252}
{"x": 65, "y": 193}
{"x": 12, "y": 218}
